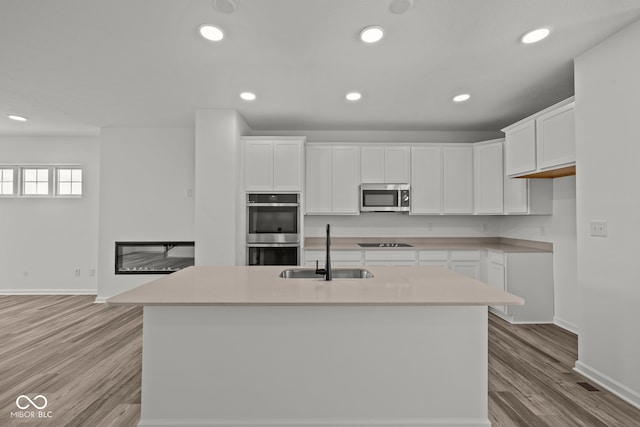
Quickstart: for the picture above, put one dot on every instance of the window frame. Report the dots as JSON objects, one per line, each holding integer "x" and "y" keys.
{"x": 56, "y": 174}
{"x": 16, "y": 179}
{"x": 53, "y": 184}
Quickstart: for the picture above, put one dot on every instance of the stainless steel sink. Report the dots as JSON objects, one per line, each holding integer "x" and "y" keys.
{"x": 338, "y": 273}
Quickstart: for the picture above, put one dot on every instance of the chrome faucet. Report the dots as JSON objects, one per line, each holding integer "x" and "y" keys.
{"x": 326, "y": 271}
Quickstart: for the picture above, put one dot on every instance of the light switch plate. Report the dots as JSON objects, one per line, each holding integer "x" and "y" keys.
{"x": 599, "y": 228}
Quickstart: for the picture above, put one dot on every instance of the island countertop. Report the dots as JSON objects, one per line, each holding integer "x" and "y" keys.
{"x": 261, "y": 285}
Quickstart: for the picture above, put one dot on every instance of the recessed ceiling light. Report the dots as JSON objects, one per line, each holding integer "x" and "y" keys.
{"x": 353, "y": 96}
{"x": 17, "y": 118}
{"x": 248, "y": 96}
{"x": 371, "y": 34}
{"x": 535, "y": 35}
{"x": 400, "y": 6}
{"x": 224, "y": 6}
{"x": 211, "y": 32}
{"x": 462, "y": 97}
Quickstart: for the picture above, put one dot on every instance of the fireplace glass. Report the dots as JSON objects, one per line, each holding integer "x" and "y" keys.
{"x": 153, "y": 257}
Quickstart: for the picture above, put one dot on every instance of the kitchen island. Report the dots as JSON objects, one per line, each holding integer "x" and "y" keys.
{"x": 240, "y": 346}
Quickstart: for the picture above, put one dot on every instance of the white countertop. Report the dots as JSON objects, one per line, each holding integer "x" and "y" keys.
{"x": 261, "y": 285}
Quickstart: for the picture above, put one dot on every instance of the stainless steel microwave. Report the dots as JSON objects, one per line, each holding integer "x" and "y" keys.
{"x": 384, "y": 198}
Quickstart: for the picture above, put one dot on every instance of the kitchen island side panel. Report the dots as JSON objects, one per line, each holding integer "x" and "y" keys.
{"x": 314, "y": 366}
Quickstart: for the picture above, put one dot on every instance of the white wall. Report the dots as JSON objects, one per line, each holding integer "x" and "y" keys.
{"x": 146, "y": 194}
{"x": 608, "y": 152}
{"x": 559, "y": 229}
{"x": 219, "y": 209}
{"x": 376, "y": 224}
{"x": 43, "y": 241}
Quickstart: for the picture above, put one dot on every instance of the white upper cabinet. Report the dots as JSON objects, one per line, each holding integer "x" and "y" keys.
{"x": 319, "y": 181}
{"x": 458, "y": 179}
{"x": 273, "y": 164}
{"x": 556, "y": 141}
{"x": 426, "y": 180}
{"x": 345, "y": 186}
{"x": 287, "y": 165}
{"x": 332, "y": 180}
{"x": 488, "y": 171}
{"x": 521, "y": 149}
{"x": 385, "y": 164}
{"x": 524, "y": 196}
{"x": 542, "y": 143}
{"x": 258, "y": 165}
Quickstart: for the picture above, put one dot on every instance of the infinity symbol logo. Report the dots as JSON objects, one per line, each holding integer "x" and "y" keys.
{"x": 30, "y": 402}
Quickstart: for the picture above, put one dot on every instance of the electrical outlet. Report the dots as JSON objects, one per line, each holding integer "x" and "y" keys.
{"x": 77, "y": 273}
{"x": 599, "y": 228}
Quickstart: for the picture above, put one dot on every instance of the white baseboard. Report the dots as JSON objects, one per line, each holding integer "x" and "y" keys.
{"x": 571, "y": 327}
{"x": 48, "y": 291}
{"x": 101, "y": 300}
{"x": 620, "y": 390}
{"x": 315, "y": 423}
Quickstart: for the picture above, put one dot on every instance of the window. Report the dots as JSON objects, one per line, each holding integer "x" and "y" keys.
{"x": 35, "y": 181}
{"x": 69, "y": 182}
{"x": 6, "y": 182}
{"x": 41, "y": 180}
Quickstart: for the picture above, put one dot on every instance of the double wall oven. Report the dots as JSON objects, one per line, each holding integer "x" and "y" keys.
{"x": 273, "y": 229}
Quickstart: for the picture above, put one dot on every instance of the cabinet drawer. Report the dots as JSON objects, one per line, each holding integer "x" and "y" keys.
{"x": 465, "y": 256}
{"x": 313, "y": 254}
{"x": 433, "y": 256}
{"x": 495, "y": 257}
{"x": 400, "y": 255}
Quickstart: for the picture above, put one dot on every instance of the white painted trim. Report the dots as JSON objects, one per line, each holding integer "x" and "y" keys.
{"x": 101, "y": 300}
{"x": 48, "y": 291}
{"x": 314, "y": 423}
{"x": 571, "y": 327}
{"x": 620, "y": 390}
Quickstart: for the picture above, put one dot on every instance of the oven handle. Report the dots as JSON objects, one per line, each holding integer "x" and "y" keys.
{"x": 275, "y": 205}
{"x": 273, "y": 245}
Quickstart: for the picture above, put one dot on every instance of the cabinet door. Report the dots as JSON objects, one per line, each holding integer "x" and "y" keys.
{"x": 458, "y": 180}
{"x": 466, "y": 268}
{"x": 426, "y": 180}
{"x": 345, "y": 180}
{"x": 287, "y": 165}
{"x": 556, "y": 138}
{"x": 397, "y": 165}
{"x": 372, "y": 165}
{"x": 318, "y": 183}
{"x": 488, "y": 177}
{"x": 496, "y": 279}
{"x": 258, "y": 165}
{"x": 516, "y": 195}
{"x": 444, "y": 264}
{"x": 520, "y": 149}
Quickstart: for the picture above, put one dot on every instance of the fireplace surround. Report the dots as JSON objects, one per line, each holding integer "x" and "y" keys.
{"x": 153, "y": 257}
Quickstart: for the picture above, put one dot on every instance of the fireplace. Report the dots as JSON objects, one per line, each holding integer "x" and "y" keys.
{"x": 153, "y": 257}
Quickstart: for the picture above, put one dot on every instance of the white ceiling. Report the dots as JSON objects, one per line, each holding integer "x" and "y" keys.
{"x": 74, "y": 66}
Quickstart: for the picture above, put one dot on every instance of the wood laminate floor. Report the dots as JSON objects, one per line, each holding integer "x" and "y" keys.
{"x": 85, "y": 358}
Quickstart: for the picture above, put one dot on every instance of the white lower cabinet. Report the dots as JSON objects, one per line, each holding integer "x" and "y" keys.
{"x": 346, "y": 258}
{"x": 467, "y": 263}
{"x": 433, "y": 258}
{"x": 527, "y": 275}
{"x": 392, "y": 257}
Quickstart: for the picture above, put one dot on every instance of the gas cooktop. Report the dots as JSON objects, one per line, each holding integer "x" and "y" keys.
{"x": 385, "y": 245}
